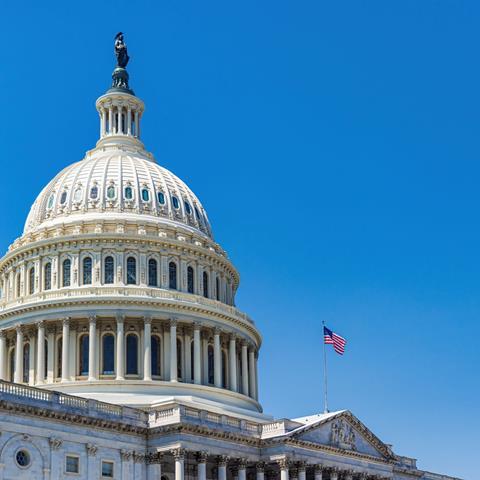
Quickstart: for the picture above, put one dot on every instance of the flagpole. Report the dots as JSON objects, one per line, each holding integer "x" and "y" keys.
{"x": 325, "y": 400}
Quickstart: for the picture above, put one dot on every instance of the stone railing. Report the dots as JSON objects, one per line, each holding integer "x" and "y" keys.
{"x": 125, "y": 291}
{"x": 159, "y": 417}
{"x": 273, "y": 429}
{"x": 57, "y": 400}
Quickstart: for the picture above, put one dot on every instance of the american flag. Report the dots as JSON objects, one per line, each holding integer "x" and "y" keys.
{"x": 337, "y": 341}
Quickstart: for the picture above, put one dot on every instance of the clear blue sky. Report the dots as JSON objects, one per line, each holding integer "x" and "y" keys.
{"x": 336, "y": 148}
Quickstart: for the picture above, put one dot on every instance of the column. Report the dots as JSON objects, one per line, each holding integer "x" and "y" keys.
{"x": 137, "y": 125}
{"x": 260, "y": 468}
{"x": 302, "y": 471}
{"x": 65, "y": 349}
{"x": 3, "y": 355}
{"x": 202, "y": 465}
{"x": 32, "y": 358}
{"x": 283, "y": 464}
{"x": 251, "y": 372}
{"x": 318, "y": 472}
{"x": 18, "y": 373}
{"x": 92, "y": 343}
{"x": 217, "y": 359}
{"x": 119, "y": 119}
{"x": 242, "y": 469}
{"x": 104, "y": 121}
{"x": 173, "y": 351}
{"x": 256, "y": 376}
{"x": 347, "y": 474}
{"x": 147, "y": 348}
{"x": 205, "y": 357}
{"x": 187, "y": 347}
{"x": 244, "y": 368}
{"x": 129, "y": 123}
{"x": 197, "y": 365}
{"x": 40, "y": 352}
{"x": 154, "y": 467}
{"x": 334, "y": 473}
{"x": 51, "y": 354}
{"x": 110, "y": 120}
{"x": 232, "y": 354}
{"x": 179, "y": 456}
{"x": 222, "y": 467}
{"x": 120, "y": 348}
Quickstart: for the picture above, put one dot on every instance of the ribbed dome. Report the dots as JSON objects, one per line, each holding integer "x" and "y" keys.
{"x": 118, "y": 185}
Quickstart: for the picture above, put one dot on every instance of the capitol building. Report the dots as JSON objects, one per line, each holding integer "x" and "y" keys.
{"x": 122, "y": 353}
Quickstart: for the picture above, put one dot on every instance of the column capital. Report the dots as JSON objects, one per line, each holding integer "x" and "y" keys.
{"x": 91, "y": 449}
{"x": 217, "y": 331}
{"x": 242, "y": 463}
{"x": 197, "y": 325}
{"x": 19, "y": 329}
{"x": 301, "y": 465}
{"x": 66, "y": 321}
{"x": 260, "y": 466}
{"x": 55, "y": 443}
{"x": 120, "y": 318}
{"x": 92, "y": 318}
{"x": 3, "y": 334}
{"x": 178, "y": 453}
{"x": 173, "y": 322}
{"x": 147, "y": 320}
{"x": 125, "y": 455}
{"x": 233, "y": 337}
{"x": 222, "y": 460}
{"x": 283, "y": 463}
{"x": 39, "y": 324}
{"x": 202, "y": 456}
{"x": 319, "y": 468}
{"x": 138, "y": 457}
{"x": 154, "y": 458}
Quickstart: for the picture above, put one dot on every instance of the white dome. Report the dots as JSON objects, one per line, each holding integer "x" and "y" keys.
{"x": 117, "y": 185}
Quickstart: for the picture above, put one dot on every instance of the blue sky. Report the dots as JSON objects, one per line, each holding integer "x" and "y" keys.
{"x": 336, "y": 148}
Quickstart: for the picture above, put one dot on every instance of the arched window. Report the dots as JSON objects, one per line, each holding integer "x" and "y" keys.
{"x": 109, "y": 274}
{"x": 145, "y": 195}
{"x": 31, "y": 281}
{"x": 87, "y": 271}
{"x": 179, "y": 358}
{"x": 172, "y": 275}
{"x": 47, "y": 272}
{"x": 59, "y": 357}
{"x": 217, "y": 287}
{"x": 94, "y": 192}
{"x": 190, "y": 280}
{"x": 111, "y": 192}
{"x": 152, "y": 273}
{"x": 156, "y": 356}
{"x": 26, "y": 362}
{"x": 131, "y": 271}
{"x": 205, "y": 284}
{"x": 132, "y": 354}
{"x": 175, "y": 203}
{"x": 83, "y": 355}
{"x": 108, "y": 349}
{"x": 188, "y": 209}
{"x": 66, "y": 272}
{"x": 63, "y": 197}
{"x": 211, "y": 365}
{"x": 128, "y": 193}
{"x": 12, "y": 364}
{"x": 161, "y": 198}
{"x": 224, "y": 369}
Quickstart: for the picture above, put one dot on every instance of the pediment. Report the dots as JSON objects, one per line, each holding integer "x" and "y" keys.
{"x": 344, "y": 431}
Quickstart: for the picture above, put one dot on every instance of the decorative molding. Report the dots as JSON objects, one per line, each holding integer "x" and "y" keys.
{"x": 91, "y": 449}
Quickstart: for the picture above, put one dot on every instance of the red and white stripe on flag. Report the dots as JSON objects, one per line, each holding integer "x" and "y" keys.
{"x": 337, "y": 341}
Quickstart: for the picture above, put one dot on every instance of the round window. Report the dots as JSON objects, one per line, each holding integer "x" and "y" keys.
{"x": 22, "y": 457}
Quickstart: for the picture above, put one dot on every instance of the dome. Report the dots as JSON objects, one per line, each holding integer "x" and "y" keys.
{"x": 117, "y": 185}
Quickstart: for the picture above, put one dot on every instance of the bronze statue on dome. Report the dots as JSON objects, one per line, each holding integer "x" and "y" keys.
{"x": 120, "y": 49}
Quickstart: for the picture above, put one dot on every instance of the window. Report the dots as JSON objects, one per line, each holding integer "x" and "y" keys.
{"x": 128, "y": 193}
{"x": 45, "y": 361}
{"x": 211, "y": 365}
{"x": 77, "y": 196}
{"x": 108, "y": 349}
{"x": 131, "y": 271}
{"x": 188, "y": 209}
{"x": 87, "y": 271}
{"x": 22, "y": 457}
{"x": 111, "y": 193}
{"x": 152, "y": 273}
{"x": 156, "y": 356}
{"x": 94, "y": 192}
{"x": 50, "y": 201}
{"x": 26, "y": 362}
{"x": 66, "y": 272}
{"x": 205, "y": 284}
{"x": 17, "y": 286}
{"x": 63, "y": 197}
{"x": 47, "y": 276}
{"x": 31, "y": 281}
{"x": 12, "y": 364}
{"x": 172, "y": 275}
{"x": 179, "y": 358}
{"x": 83, "y": 350}
{"x": 109, "y": 270}
{"x": 59, "y": 357}
{"x": 72, "y": 464}
{"x": 175, "y": 203}
{"x": 224, "y": 369}
{"x": 190, "y": 280}
{"x": 192, "y": 358}
{"x": 217, "y": 288}
{"x": 197, "y": 213}
{"x": 161, "y": 198}
{"x": 145, "y": 195}
{"x": 107, "y": 469}
{"x": 132, "y": 354}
